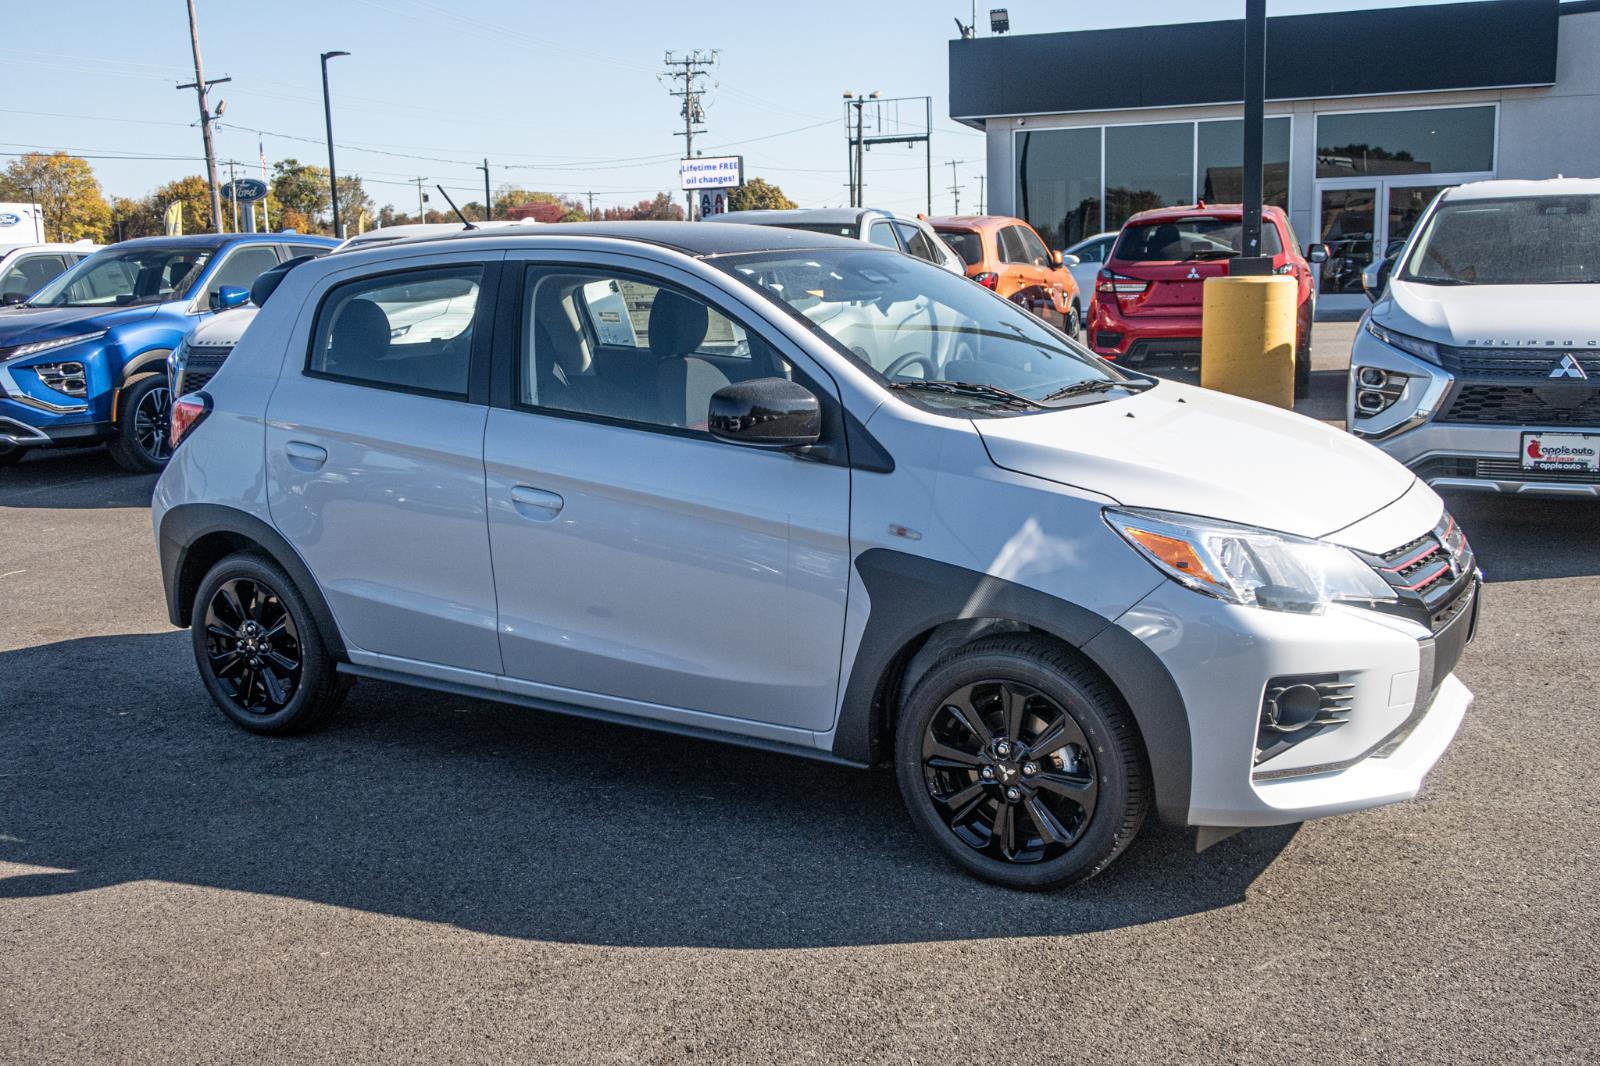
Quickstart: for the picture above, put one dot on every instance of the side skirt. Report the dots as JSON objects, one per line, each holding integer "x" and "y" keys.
{"x": 596, "y": 714}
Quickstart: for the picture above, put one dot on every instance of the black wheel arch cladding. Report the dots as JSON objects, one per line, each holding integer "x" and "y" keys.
{"x": 911, "y": 595}
{"x": 189, "y": 525}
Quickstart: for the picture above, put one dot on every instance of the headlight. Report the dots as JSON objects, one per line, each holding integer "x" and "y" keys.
{"x": 1427, "y": 351}
{"x": 44, "y": 346}
{"x": 1246, "y": 565}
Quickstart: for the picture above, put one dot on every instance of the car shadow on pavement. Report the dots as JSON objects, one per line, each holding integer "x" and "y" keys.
{"x": 116, "y": 768}
{"x": 1524, "y": 538}
{"x": 75, "y": 478}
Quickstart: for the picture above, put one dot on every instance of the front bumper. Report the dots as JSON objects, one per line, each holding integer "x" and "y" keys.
{"x": 1404, "y": 707}
{"x": 1452, "y": 455}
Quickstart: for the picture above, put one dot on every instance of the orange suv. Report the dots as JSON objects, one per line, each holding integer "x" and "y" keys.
{"x": 1006, "y": 255}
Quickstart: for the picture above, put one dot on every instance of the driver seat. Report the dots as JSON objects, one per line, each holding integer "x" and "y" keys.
{"x": 684, "y": 381}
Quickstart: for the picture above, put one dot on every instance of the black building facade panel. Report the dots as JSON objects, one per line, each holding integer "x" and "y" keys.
{"x": 1349, "y": 53}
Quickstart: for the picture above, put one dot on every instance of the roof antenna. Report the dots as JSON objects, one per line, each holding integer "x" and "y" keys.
{"x": 454, "y": 208}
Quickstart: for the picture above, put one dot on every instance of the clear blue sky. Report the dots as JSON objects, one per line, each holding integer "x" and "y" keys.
{"x": 563, "y": 97}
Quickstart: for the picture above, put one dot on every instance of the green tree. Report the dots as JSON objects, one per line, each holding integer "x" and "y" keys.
{"x": 66, "y": 191}
{"x": 302, "y": 188}
{"x": 353, "y": 200}
{"x": 195, "y": 196}
{"x": 758, "y": 194}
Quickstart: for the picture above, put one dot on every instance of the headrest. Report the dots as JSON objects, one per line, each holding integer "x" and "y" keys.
{"x": 361, "y": 330}
{"x": 677, "y": 324}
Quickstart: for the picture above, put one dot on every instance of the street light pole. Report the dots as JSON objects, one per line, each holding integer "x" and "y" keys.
{"x": 488, "y": 201}
{"x": 327, "y": 114}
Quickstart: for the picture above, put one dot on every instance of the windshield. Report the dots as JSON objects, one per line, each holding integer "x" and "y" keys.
{"x": 1199, "y": 237}
{"x": 968, "y": 245}
{"x": 940, "y": 340}
{"x": 1536, "y": 240}
{"x": 115, "y": 278}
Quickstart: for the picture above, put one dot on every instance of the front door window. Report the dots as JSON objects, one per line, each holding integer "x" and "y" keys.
{"x": 1348, "y": 226}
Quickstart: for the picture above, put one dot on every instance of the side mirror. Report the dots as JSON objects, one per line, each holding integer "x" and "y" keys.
{"x": 1316, "y": 253}
{"x": 1375, "y": 277}
{"x": 1056, "y": 258}
{"x": 1063, "y": 259}
{"x": 765, "y": 413}
{"x": 13, "y": 298}
{"x": 229, "y": 296}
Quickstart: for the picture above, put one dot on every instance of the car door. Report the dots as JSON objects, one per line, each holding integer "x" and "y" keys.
{"x": 374, "y": 447}
{"x": 642, "y": 564}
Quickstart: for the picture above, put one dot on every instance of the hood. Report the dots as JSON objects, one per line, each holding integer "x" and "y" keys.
{"x": 1180, "y": 448}
{"x": 1519, "y": 316}
{"x": 222, "y": 330}
{"x": 23, "y": 325}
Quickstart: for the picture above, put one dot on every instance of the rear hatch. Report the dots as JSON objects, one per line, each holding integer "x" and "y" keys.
{"x": 1160, "y": 267}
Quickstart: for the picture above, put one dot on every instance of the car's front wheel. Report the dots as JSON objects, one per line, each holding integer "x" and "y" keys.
{"x": 260, "y": 654}
{"x": 143, "y": 416}
{"x": 1020, "y": 764}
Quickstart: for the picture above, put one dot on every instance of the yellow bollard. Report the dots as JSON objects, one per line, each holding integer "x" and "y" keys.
{"x": 1247, "y": 330}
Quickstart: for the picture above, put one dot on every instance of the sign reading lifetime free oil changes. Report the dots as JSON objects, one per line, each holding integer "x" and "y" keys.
{"x": 711, "y": 172}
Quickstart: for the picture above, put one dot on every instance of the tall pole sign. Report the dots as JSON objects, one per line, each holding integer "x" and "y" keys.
{"x": 1255, "y": 96}
{"x": 710, "y": 182}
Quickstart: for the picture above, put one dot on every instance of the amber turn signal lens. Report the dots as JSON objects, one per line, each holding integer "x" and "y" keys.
{"x": 1173, "y": 552}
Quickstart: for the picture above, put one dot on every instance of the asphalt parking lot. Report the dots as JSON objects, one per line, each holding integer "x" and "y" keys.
{"x": 438, "y": 878}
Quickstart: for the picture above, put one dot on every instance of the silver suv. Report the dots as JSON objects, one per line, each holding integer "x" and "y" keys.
{"x": 793, "y": 491}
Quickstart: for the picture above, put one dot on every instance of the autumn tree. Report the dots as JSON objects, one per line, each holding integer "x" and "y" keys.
{"x": 301, "y": 188}
{"x": 663, "y": 207}
{"x": 195, "y": 196}
{"x": 511, "y": 201}
{"x": 758, "y": 194}
{"x": 135, "y": 217}
{"x": 66, "y": 191}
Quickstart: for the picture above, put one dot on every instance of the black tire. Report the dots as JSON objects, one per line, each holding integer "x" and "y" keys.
{"x": 1095, "y": 786}
{"x": 1302, "y": 366}
{"x": 11, "y": 454}
{"x": 1072, "y": 325}
{"x": 143, "y": 418}
{"x": 258, "y": 649}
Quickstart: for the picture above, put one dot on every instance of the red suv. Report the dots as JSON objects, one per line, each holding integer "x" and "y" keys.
{"x": 1146, "y": 307}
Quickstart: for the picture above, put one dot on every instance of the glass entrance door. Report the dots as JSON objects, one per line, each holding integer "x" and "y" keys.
{"x": 1348, "y": 225}
{"x": 1406, "y": 204}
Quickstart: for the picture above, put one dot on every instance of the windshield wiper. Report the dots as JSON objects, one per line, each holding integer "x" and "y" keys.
{"x": 1079, "y": 388}
{"x": 968, "y": 388}
{"x": 1212, "y": 253}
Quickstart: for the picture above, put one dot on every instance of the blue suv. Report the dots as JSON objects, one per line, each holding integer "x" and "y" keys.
{"x": 85, "y": 359}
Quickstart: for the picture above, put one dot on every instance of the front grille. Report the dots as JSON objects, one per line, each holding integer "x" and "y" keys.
{"x": 1463, "y": 467}
{"x": 1512, "y": 363}
{"x": 1428, "y": 573}
{"x": 1524, "y": 405}
{"x": 200, "y": 366}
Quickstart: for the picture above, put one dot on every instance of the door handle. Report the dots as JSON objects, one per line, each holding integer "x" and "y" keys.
{"x": 305, "y": 456}
{"x": 537, "y": 504}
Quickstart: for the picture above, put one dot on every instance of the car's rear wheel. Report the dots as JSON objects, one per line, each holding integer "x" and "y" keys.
{"x": 143, "y": 417}
{"x": 260, "y": 654}
{"x": 1020, "y": 764}
{"x": 1072, "y": 324}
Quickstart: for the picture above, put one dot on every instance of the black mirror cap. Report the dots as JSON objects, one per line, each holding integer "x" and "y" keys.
{"x": 1316, "y": 253}
{"x": 268, "y": 280}
{"x": 766, "y": 413}
{"x": 13, "y": 298}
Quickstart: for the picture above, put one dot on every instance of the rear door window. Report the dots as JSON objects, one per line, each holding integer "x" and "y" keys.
{"x": 1012, "y": 249}
{"x": 917, "y": 243}
{"x": 410, "y": 331}
{"x": 883, "y": 233}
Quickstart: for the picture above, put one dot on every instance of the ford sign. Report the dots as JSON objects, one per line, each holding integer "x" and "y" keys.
{"x": 9, "y": 219}
{"x": 245, "y": 190}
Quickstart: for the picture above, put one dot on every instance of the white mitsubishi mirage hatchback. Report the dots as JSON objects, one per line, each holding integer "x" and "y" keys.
{"x": 801, "y": 493}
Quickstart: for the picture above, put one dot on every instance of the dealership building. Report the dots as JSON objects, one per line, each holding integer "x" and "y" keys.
{"x": 1369, "y": 114}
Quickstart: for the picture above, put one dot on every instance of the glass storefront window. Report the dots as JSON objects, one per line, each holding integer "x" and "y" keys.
{"x": 1058, "y": 183}
{"x": 1147, "y": 166}
{"x": 1219, "y": 150}
{"x": 1441, "y": 140}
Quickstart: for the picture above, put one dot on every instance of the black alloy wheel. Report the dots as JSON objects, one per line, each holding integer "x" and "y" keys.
{"x": 1010, "y": 772}
{"x": 252, "y": 646}
{"x": 1019, "y": 762}
{"x": 151, "y": 419}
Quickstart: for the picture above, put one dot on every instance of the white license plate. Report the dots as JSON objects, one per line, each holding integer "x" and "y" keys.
{"x": 1561, "y": 451}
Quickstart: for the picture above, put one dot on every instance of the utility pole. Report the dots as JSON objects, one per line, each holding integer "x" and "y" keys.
{"x": 200, "y": 86}
{"x": 422, "y": 200}
{"x": 488, "y": 202}
{"x": 233, "y": 198}
{"x": 955, "y": 186}
{"x": 591, "y": 207}
{"x": 327, "y": 114}
{"x": 686, "y": 71}
{"x": 981, "y": 211}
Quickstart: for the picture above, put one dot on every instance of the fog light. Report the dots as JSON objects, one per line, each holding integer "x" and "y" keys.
{"x": 1294, "y": 709}
{"x": 1376, "y": 389}
{"x": 1369, "y": 402}
{"x": 1371, "y": 377}
{"x": 63, "y": 377}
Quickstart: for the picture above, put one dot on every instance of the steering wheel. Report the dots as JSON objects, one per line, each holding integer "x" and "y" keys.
{"x": 911, "y": 359}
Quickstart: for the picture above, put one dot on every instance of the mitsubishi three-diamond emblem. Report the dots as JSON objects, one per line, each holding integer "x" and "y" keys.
{"x": 1569, "y": 367}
